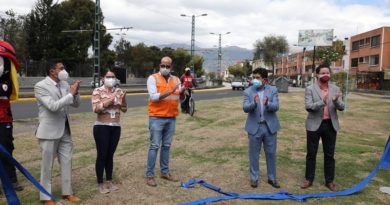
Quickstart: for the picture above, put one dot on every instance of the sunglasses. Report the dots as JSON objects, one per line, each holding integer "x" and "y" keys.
{"x": 165, "y": 66}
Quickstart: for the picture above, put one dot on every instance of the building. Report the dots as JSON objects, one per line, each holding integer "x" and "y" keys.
{"x": 370, "y": 59}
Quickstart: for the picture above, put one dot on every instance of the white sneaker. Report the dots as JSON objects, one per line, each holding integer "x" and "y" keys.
{"x": 110, "y": 186}
{"x": 385, "y": 189}
{"x": 103, "y": 189}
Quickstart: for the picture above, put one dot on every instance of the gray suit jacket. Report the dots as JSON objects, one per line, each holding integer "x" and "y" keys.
{"x": 53, "y": 109}
{"x": 253, "y": 110}
{"x": 315, "y": 106}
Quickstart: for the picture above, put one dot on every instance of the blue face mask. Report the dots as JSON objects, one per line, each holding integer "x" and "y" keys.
{"x": 257, "y": 83}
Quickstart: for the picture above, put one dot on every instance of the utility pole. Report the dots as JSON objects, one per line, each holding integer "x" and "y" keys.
{"x": 96, "y": 45}
{"x": 313, "y": 68}
{"x": 303, "y": 66}
{"x": 220, "y": 50}
{"x": 192, "y": 39}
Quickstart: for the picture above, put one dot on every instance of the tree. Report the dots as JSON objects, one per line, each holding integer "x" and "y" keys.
{"x": 197, "y": 61}
{"x": 328, "y": 54}
{"x": 236, "y": 70}
{"x": 11, "y": 28}
{"x": 270, "y": 48}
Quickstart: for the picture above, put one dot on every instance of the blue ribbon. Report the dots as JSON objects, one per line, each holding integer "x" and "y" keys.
{"x": 384, "y": 163}
{"x": 9, "y": 191}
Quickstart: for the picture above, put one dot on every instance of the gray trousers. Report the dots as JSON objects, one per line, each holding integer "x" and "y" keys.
{"x": 61, "y": 148}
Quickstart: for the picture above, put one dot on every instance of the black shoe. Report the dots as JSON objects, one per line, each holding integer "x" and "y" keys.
{"x": 17, "y": 186}
{"x": 274, "y": 183}
{"x": 254, "y": 184}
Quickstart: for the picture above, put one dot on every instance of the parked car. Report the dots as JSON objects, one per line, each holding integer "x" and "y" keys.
{"x": 96, "y": 84}
{"x": 238, "y": 83}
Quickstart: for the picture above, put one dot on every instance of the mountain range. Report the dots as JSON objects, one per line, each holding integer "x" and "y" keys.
{"x": 230, "y": 55}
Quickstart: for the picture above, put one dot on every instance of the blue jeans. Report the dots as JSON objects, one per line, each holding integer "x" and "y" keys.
{"x": 161, "y": 130}
{"x": 263, "y": 136}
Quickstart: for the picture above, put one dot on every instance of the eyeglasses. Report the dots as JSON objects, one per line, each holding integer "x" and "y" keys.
{"x": 109, "y": 76}
{"x": 165, "y": 66}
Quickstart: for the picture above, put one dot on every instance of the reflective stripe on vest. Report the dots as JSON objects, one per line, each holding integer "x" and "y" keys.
{"x": 167, "y": 107}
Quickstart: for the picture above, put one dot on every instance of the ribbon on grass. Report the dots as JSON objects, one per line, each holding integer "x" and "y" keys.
{"x": 9, "y": 191}
{"x": 384, "y": 163}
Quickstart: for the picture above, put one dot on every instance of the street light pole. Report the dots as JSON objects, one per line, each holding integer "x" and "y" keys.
{"x": 313, "y": 68}
{"x": 220, "y": 50}
{"x": 192, "y": 38}
{"x": 303, "y": 66}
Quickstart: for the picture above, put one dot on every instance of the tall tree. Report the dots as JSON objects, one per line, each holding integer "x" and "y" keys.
{"x": 329, "y": 54}
{"x": 270, "y": 48}
{"x": 11, "y": 30}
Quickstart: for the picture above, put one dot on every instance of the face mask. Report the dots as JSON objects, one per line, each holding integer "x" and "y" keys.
{"x": 324, "y": 78}
{"x": 1, "y": 66}
{"x": 257, "y": 83}
{"x": 188, "y": 72}
{"x": 165, "y": 71}
{"x": 63, "y": 75}
{"x": 109, "y": 82}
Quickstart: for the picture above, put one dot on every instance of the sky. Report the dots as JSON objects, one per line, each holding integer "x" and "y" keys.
{"x": 158, "y": 22}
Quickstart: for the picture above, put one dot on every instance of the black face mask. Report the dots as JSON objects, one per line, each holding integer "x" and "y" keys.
{"x": 188, "y": 72}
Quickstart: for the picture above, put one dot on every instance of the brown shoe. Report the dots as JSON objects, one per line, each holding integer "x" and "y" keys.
{"x": 71, "y": 198}
{"x": 331, "y": 186}
{"x": 169, "y": 177}
{"x": 150, "y": 181}
{"x": 49, "y": 202}
{"x": 306, "y": 184}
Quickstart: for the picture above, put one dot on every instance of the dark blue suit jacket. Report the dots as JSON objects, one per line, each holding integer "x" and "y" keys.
{"x": 253, "y": 109}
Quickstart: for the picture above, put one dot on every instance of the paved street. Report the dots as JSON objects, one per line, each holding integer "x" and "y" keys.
{"x": 29, "y": 109}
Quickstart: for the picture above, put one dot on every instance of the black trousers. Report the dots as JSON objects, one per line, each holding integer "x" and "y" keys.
{"x": 6, "y": 139}
{"x": 106, "y": 138}
{"x": 328, "y": 137}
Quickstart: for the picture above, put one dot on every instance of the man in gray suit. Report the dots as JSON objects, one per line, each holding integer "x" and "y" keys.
{"x": 54, "y": 96}
{"x": 322, "y": 100}
{"x": 261, "y": 103}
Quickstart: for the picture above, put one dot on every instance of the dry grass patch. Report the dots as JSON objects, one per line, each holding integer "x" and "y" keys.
{"x": 212, "y": 146}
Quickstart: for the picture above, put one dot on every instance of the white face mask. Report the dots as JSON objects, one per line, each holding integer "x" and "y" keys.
{"x": 63, "y": 75}
{"x": 109, "y": 82}
{"x": 1, "y": 65}
{"x": 165, "y": 71}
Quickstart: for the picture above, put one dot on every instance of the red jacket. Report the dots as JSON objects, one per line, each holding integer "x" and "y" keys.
{"x": 186, "y": 80}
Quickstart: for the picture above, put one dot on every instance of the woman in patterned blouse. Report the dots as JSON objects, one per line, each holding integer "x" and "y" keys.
{"x": 107, "y": 101}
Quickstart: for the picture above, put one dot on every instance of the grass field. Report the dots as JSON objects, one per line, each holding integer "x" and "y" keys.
{"x": 212, "y": 146}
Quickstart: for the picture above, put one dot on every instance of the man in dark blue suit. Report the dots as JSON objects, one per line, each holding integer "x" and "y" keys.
{"x": 261, "y": 103}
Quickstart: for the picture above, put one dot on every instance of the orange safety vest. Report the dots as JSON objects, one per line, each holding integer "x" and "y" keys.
{"x": 167, "y": 107}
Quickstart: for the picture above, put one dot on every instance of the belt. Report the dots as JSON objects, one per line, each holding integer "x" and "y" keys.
{"x": 262, "y": 122}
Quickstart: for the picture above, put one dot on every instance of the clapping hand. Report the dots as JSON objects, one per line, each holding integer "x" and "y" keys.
{"x": 266, "y": 100}
{"x": 256, "y": 99}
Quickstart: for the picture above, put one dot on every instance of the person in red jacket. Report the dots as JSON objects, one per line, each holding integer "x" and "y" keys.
{"x": 188, "y": 81}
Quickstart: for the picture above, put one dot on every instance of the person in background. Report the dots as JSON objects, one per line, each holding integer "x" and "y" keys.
{"x": 261, "y": 102}
{"x": 54, "y": 96}
{"x": 164, "y": 90}
{"x": 188, "y": 82}
{"x": 322, "y": 100}
{"x": 9, "y": 89}
{"x": 108, "y": 101}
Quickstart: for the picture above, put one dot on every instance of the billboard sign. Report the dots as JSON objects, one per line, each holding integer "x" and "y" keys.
{"x": 320, "y": 37}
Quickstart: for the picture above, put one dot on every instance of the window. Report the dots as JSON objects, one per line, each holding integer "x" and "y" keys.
{"x": 375, "y": 40}
{"x": 361, "y": 42}
{"x": 368, "y": 40}
{"x": 363, "y": 59}
{"x": 354, "y": 62}
{"x": 374, "y": 60}
{"x": 355, "y": 45}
